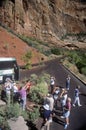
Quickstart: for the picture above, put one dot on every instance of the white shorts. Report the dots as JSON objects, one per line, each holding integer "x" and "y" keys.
{"x": 67, "y": 114}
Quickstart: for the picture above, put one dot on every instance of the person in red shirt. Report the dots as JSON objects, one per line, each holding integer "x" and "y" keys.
{"x": 67, "y": 112}
{"x": 28, "y": 86}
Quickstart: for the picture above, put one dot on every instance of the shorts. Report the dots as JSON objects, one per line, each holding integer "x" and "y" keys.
{"x": 67, "y": 114}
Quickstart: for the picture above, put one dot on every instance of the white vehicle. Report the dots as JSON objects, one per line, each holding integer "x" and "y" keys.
{"x": 8, "y": 69}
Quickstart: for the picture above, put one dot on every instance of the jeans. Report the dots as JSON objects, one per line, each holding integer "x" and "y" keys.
{"x": 24, "y": 103}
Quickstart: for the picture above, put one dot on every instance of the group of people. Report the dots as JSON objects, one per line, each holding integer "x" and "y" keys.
{"x": 56, "y": 95}
{"x": 61, "y": 95}
{"x": 12, "y": 92}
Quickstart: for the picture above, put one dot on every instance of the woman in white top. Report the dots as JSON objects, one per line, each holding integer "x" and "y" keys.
{"x": 15, "y": 93}
{"x": 15, "y": 88}
{"x": 63, "y": 97}
{"x": 8, "y": 87}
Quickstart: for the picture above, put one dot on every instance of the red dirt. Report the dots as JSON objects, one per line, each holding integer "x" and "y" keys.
{"x": 11, "y": 46}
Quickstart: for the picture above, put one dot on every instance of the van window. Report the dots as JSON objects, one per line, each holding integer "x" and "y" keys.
{"x": 8, "y": 68}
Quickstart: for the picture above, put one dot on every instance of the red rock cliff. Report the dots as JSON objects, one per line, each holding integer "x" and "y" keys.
{"x": 46, "y": 20}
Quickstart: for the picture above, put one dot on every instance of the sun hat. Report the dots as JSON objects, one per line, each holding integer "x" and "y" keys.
{"x": 46, "y": 106}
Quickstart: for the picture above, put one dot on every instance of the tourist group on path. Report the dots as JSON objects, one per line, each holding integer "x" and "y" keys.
{"x": 59, "y": 96}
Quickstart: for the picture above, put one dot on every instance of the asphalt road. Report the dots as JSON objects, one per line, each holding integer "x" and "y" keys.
{"x": 78, "y": 114}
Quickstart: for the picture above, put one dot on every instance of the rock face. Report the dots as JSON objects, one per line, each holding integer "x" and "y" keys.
{"x": 47, "y": 20}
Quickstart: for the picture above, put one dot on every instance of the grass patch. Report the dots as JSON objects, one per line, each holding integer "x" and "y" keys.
{"x": 77, "y": 58}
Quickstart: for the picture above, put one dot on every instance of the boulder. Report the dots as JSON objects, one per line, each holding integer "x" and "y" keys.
{"x": 18, "y": 124}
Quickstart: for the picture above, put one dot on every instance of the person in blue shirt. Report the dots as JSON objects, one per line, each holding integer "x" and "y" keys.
{"x": 68, "y": 82}
{"x": 76, "y": 96}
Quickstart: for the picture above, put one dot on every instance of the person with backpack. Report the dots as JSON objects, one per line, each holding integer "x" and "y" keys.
{"x": 66, "y": 114}
{"x": 47, "y": 115}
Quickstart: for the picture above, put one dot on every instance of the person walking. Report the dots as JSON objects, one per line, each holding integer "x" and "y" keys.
{"x": 76, "y": 96}
{"x": 68, "y": 82}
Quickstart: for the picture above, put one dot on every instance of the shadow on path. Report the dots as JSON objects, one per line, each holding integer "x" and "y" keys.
{"x": 31, "y": 125}
{"x": 57, "y": 120}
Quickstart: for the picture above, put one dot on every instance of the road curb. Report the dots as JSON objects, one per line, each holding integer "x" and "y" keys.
{"x": 74, "y": 74}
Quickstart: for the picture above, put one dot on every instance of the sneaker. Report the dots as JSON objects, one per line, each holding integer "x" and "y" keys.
{"x": 62, "y": 117}
{"x": 50, "y": 120}
{"x": 73, "y": 105}
{"x": 65, "y": 127}
{"x": 80, "y": 105}
{"x": 67, "y": 88}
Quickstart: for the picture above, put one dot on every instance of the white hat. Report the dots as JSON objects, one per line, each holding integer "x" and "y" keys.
{"x": 46, "y": 106}
{"x": 8, "y": 79}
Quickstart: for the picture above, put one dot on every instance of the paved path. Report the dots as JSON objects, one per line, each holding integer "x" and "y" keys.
{"x": 78, "y": 114}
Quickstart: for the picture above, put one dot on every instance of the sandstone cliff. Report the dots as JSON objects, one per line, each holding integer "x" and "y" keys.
{"x": 47, "y": 20}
